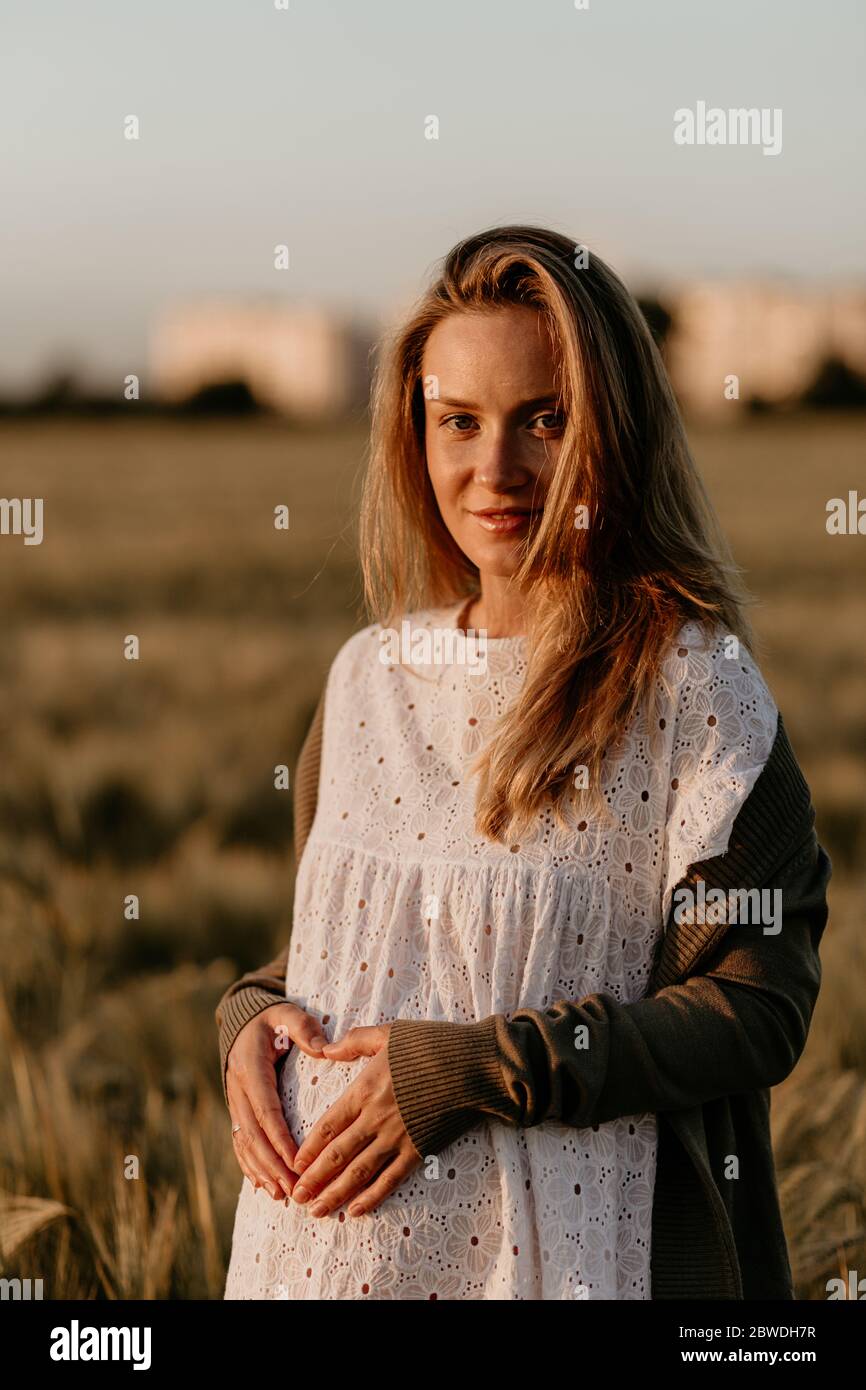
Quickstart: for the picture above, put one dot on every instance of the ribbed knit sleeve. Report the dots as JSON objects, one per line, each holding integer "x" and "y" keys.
{"x": 445, "y": 1076}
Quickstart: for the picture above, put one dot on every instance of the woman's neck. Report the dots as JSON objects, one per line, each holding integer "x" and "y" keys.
{"x": 501, "y": 612}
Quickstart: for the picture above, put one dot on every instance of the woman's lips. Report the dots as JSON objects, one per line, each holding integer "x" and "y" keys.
{"x": 504, "y": 522}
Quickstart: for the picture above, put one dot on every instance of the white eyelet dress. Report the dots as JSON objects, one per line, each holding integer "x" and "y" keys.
{"x": 402, "y": 910}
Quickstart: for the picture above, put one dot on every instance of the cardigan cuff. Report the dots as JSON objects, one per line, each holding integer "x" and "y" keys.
{"x": 236, "y": 1011}
{"x": 445, "y": 1077}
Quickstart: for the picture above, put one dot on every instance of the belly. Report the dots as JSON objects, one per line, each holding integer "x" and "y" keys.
{"x": 309, "y": 1086}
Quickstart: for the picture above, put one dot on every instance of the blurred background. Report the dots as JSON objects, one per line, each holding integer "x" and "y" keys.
{"x": 212, "y": 212}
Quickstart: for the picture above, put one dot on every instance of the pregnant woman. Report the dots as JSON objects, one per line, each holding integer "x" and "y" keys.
{"x": 559, "y": 895}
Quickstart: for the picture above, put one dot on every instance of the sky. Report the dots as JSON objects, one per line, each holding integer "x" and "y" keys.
{"x": 305, "y": 126}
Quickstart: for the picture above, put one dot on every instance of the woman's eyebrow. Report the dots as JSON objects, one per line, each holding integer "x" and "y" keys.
{"x": 471, "y": 405}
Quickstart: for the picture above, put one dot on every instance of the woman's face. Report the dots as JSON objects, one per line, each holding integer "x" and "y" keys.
{"x": 493, "y": 430}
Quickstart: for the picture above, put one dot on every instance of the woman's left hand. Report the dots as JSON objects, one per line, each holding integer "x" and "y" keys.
{"x": 359, "y": 1148}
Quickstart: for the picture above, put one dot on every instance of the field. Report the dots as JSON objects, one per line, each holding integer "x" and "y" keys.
{"x": 155, "y": 778}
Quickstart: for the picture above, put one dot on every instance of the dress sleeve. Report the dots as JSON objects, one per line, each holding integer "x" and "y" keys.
{"x": 725, "y": 723}
{"x": 736, "y": 1020}
{"x": 258, "y": 989}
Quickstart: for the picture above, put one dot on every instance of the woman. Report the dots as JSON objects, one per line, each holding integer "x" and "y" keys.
{"x": 522, "y": 1057}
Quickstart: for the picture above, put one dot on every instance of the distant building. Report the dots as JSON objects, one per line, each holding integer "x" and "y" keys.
{"x": 299, "y": 360}
{"x": 775, "y": 339}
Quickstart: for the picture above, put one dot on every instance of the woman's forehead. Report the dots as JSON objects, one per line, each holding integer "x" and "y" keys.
{"x": 508, "y": 343}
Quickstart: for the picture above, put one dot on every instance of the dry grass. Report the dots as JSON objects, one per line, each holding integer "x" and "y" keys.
{"x": 155, "y": 778}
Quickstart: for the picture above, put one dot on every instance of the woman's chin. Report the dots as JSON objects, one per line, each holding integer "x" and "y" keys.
{"x": 500, "y": 558}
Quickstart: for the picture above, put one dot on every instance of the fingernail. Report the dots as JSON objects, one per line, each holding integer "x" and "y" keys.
{"x": 301, "y": 1194}
{"x": 273, "y": 1190}
{"x": 286, "y": 1186}
{"x": 299, "y": 1167}
{"x": 318, "y": 1041}
{"x": 318, "y": 1209}
{"x": 356, "y": 1211}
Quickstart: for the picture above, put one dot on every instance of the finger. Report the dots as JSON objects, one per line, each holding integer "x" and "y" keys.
{"x": 259, "y": 1085}
{"x": 249, "y": 1167}
{"x": 333, "y": 1159}
{"x": 358, "y": 1042}
{"x": 246, "y": 1158}
{"x": 359, "y": 1174}
{"x": 387, "y": 1182}
{"x": 246, "y": 1165}
{"x": 337, "y": 1118}
{"x": 256, "y": 1179}
{"x": 292, "y": 1024}
{"x": 252, "y": 1141}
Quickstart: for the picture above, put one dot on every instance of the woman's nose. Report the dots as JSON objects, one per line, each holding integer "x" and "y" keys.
{"x": 498, "y": 466}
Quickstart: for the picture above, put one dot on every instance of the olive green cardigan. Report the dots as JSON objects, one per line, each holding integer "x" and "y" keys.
{"x": 725, "y": 1017}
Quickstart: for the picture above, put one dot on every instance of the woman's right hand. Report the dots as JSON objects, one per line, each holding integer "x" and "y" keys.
{"x": 264, "y": 1147}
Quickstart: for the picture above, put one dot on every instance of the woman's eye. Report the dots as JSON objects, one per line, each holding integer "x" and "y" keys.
{"x": 550, "y": 420}
{"x": 459, "y": 422}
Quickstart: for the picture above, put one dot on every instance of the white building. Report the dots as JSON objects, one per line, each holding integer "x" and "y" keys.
{"x": 773, "y": 338}
{"x": 299, "y": 360}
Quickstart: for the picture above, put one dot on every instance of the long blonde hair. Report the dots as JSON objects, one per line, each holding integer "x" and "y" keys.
{"x": 606, "y": 599}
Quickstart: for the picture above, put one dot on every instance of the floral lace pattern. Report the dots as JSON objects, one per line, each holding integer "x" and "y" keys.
{"x": 401, "y": 910}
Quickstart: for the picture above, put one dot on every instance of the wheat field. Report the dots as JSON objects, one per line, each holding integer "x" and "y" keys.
{"x": 154, "y": 778}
